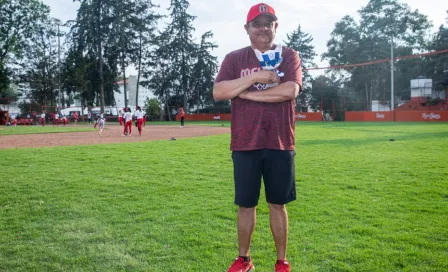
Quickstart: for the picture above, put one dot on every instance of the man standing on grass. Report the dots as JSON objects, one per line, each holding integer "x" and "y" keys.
{"x": 182, "y": 117}
{"x": 262, "y": 131}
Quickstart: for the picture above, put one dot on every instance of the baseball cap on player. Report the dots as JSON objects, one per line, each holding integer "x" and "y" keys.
{"x": 260, "y": 9}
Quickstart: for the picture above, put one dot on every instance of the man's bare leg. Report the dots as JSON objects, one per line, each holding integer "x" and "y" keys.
{"x": 278, "y": 217}
{"x": 246, "y": 226}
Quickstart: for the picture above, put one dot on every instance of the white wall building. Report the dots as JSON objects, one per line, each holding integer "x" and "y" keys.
{"x": 380, "y": 105}
{"x": 131, "y": 92}
{"x": 421, "y": 88}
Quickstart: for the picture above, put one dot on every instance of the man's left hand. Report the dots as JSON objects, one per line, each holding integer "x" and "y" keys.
{"x": 244, "y": 94}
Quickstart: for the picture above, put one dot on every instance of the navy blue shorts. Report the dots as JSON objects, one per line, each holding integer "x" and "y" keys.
{"x": 278, "y": 172}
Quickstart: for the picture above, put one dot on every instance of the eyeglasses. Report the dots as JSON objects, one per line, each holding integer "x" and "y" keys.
{"x": 260, "y": 25}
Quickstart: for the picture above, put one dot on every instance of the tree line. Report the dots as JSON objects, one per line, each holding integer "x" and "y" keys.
{"x": 108, "y": 36}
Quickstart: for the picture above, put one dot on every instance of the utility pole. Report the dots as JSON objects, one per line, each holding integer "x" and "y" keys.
{"x": 59, "y": 69}
{"x": 445, "y": 79}
{"x": 392, "y": 73}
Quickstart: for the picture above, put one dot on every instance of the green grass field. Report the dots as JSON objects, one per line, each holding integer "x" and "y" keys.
{"x": 192, "y": 123}
{"x": 364, "y": 204}
{"x": 17, "y": 130}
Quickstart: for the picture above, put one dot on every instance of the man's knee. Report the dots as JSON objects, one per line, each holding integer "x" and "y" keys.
{"x": 246, "y": 209}
{"x": 276, "y": 207}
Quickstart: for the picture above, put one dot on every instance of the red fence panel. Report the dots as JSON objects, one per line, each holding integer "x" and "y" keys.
{"x": 369, "y": 116}
{"x": 421, "y": 116}
{"x": 300, "y": 116}
{"x": 206, "y": 117}
{"x": 400, "y": 116}
{"x": 308, "y": 116}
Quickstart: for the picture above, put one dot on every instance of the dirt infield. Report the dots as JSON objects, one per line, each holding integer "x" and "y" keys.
{"x": 111, "y": 134}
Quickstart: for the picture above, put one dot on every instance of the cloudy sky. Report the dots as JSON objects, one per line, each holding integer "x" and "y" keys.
{"x": 226, "y": 18}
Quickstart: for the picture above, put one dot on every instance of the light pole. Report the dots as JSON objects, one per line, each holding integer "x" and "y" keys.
{"x": 445, "y": 79}
{"x": 59, "y": 70}
{"x": 392, "y": 73}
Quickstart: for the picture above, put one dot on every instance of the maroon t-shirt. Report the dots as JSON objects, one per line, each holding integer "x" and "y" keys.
{"x": 257, "y": 125}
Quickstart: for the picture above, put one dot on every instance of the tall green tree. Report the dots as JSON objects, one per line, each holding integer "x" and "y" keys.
{"x": 39, "y": 69}
{"x": 95, "y": 34}
{"x": 204, "y": 71}
{"x": 180, "y": 71}
{"x": 126, "y": 15}
{"x": 11, "y": 93}
{"x": 181, "y": 47}
{"x": 92, "y": 30}
{"x": 160, "y": 77}
{"x": 117, "y": 32}
{"x": 438, "y": 64}
{"x": 302, "y": 43}
{"x": 19, "y": 19}
{"x": 152, "y": 107}
{"x": 144, "y": 23}
{"x": 121, "y": 12}
{"x": 5, "y": 81}
{"x": 383, "y": 23}
{"x": 74, "y": 76}
{"x": 327, "y": 96}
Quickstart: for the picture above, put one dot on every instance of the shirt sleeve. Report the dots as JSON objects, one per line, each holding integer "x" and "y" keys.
{"x": 227, "y": 70}
{"x": 293, "y": 68}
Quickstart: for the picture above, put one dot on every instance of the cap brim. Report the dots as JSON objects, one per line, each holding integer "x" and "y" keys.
{"x": 273, "y": 16}
{"x": 268, "y": 14}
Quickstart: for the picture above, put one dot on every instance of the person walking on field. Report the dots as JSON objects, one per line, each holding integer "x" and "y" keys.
{"x": 75, "y": 117}
{"x": 127, "y": 123}
{"x": 139, "y": 116}
{"x": 262, "y": 82}
{"x": 100, "y": 123}
{"x": 182, "y": 117}
{"x": 64, "y": 119}
{"x": 42, "y": 118}
{"x": 120, "y": 116}
{"x": 56, "y": 119}
{"x": 52, "y": 117}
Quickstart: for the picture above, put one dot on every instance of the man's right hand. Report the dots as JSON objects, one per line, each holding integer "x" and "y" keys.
{"x": 266, "y": 77}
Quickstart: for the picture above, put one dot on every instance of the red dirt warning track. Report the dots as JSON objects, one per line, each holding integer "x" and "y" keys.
{"x": 111, "y": 134}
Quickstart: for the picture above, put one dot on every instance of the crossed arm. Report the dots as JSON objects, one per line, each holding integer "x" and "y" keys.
{"x": 230, "y": 89}
{"x": 280, "y": 93}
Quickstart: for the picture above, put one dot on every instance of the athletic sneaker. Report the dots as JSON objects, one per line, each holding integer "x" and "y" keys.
{"x": 239, "y": 265}
{"x": 282, "y": 266}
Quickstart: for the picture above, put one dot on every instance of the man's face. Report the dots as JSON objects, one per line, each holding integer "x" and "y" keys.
{"x": 262, "y": 29}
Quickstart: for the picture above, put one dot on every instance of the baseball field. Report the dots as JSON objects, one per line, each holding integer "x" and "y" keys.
{"x": 371, "y": 197}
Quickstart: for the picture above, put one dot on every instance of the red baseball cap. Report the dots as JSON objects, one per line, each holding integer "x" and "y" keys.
{"x": 260, "y": 9}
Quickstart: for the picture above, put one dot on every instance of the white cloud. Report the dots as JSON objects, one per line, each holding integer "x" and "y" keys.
{"x": 226, "y": 18}
{"x": 62, "y": 9}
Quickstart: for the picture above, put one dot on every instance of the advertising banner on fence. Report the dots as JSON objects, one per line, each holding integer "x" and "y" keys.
{"x": 205, "y": 117}
{"x": 300, "y": 116}
{"x": 369, "y": 116}
{"x": 400, "y": 116}
{"x": 421, "y": 116}
{"x": 308, "y": 116}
